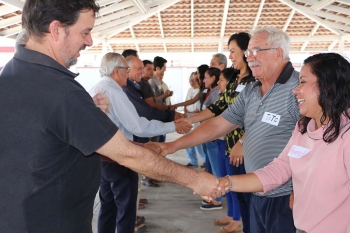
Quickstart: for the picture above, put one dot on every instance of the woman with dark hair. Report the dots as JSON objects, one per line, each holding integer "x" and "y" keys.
{"x": 317, "y": 157}
{"x": 202, "y": 92}
{"x": 240, "y": 77}
{"x": 191, "y": 110}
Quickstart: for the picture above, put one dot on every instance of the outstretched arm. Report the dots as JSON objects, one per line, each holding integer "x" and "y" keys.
{"x": 207, "y": 131}
{"x": 151, "y": 164}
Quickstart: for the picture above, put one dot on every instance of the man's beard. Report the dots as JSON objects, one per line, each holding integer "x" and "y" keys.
{"x": 70, "y": 61}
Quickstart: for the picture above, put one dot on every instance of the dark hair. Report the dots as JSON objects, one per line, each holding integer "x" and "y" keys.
{"x": 159, "y": 62}
{"x": 229, "y": 73}
{"x": 146, "y": 62}
{"x": 216, "y": 73}
{"x": 242, "y": 39}
{"x": 38, "y": 14}
{"x": 129, "y": 52}
{"x": 201, "y": 71}
{"x": 333, "y": 81}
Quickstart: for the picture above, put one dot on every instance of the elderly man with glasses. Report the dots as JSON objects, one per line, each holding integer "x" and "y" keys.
{"x": 268, "y": 111}
{"x": 119, "y": 184}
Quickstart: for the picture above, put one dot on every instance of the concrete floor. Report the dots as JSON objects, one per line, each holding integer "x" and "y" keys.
{"x": 173, "y": 208}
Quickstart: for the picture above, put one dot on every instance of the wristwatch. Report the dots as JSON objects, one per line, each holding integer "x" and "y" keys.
{"x": 241, "y": 141}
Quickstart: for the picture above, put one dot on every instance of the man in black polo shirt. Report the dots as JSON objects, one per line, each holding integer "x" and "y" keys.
{"x": 50, "y": 129}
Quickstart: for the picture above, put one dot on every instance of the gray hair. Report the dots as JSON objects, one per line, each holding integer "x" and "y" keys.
{"x": 222, "y": 58}
{"x": 109, "y": 62}
{"x": 22, "y": 38}
{"x": 276, "y": 39}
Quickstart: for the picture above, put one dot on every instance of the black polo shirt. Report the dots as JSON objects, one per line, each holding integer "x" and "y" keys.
{"x": 146, "y": 89}
{"x": 50, "y": 128}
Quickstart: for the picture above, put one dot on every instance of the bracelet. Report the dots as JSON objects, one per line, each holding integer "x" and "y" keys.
{"x": 241, "y": 141}
{"x": 231, "y": 183}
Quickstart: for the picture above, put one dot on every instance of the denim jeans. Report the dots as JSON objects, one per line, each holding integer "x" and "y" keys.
{"x": 213, "y": 156}
{"x": 192, "y": 155}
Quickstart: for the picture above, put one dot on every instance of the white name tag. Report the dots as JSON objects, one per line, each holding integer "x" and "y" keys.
{"x": 271, "y": 118}
{"x": 205, "y": 91}
{"x": 298, "y": 152}
{"x": 240, "y": 88}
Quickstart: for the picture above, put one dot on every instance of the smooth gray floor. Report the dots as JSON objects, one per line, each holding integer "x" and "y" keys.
{"x": 173, "y": 208}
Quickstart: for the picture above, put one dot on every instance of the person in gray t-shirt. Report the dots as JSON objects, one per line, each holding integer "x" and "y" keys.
{"x": 269, "y": 111}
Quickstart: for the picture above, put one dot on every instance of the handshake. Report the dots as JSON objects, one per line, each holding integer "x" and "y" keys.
{"x": 202, "y": 183}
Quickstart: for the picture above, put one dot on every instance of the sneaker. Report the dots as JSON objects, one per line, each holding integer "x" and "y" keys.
{"x": 211, "y": 206}
{"x": 204, "y": 202}
{"x": 190, "y": 165}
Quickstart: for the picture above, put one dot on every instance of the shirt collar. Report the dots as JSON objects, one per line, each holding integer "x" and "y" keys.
{"x": 284, "y": 75}
{"x": 135, "y": 84}
{"x": 111, "y": 81}
{"x": 35, "y": 57}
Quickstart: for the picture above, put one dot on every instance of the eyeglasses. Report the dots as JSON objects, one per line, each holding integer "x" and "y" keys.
{"x": 255, "y": 51}
{"x": 125, "y": 68}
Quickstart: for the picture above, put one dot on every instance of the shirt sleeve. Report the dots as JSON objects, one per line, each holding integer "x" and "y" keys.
{"x": 235, "y": 112}
{"x": 146, "y": 90}
{"x": 77, "y": 121}
{"x": 125, "y": 112}
{"x": 278, "y": 171}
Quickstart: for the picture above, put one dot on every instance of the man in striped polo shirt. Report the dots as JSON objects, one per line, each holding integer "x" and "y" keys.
{"x": 268, "y": 111}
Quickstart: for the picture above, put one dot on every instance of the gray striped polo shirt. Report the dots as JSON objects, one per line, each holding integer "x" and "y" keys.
{"x": 268, "y": 121}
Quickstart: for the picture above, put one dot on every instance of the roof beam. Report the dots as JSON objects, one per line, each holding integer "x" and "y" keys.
{"x": 331, "y": 46}
{"x": 290, "y": 17}
{"x": 212, "y": 40}
{"x": 141, "y": 6}
{"x": 134, "y": 37}
{"x": 115, "y": 7}
{"x": 192, "y": 18}
{"x": 114, "y": 31}
{"x": 104, "y": 2}
{"x": 13, "y": 3}
{"x": 316, "y": 19}
{"x": 10, "y": 21}
{"x": 258, "y": 14}
{"x": 6, "y": 9}
{"x": 312, "y": 33}
{"x": 321, "y": 4}
{"x": 11, "y": 31}
{"x": 224, "y": 18}
{"x": 160, "y": 25}
{"x": 114, "y": 20}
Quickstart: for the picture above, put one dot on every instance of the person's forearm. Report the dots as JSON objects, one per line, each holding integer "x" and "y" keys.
{"x": 207, "y": 131}
{"x": 161, "y": 97}
{"x": 147, "y": 162}
{"x": 202, "y": 116}
{"x": 188, "y": 102}
{"x": 246, "y": 183}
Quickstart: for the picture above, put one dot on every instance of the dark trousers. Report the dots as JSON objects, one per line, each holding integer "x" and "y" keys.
{"x": 118, "y": 194}
{"x": 271, "y": 215}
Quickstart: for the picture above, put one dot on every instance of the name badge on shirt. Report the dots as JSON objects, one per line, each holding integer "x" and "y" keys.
{"x": 298, "y": 152}
{"x": 271, "y": 118}
{"x": 240, "y": 88}
{"x": 205, "y": 91}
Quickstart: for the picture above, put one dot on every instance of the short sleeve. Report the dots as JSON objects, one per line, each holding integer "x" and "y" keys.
{"x": 146, "y": 90}
{"x": 77, "y": 121}
{"x": 235, "y": 112}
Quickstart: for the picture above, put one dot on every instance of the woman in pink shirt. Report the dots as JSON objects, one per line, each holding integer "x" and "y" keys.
{"x": 317, "y": 157}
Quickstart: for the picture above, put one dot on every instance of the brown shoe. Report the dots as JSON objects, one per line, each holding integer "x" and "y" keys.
{"x": 140, "y": 220}
{"x": 219, "y": 223}
{"x": 238, "y": 229}
{"x": 143, "y": 201}
{"x": 203, "y": 165}
{"x": 142, "y": 206}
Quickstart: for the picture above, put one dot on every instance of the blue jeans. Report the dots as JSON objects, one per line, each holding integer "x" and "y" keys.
{"x": 213, "y": 157}
{"x": 192, "y": 155}
{"x": 225, "y": 168}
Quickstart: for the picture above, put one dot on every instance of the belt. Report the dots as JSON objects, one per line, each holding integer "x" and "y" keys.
{"x": 301, "y": 231}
